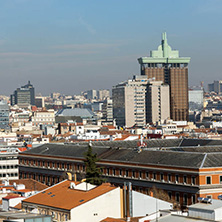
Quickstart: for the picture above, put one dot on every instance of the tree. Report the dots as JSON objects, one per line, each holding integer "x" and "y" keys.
{"x": 93, "y": 172}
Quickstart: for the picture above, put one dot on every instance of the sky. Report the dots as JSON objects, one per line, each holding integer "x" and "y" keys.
{"x": 70, "y": 46}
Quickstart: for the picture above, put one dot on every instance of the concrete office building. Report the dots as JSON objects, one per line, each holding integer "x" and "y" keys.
{"x": 24, "y": 96}
{"x": 107, "y": 110}
{"x": 4, "y": 116}
{"x": 129, "y": 106}
{"x": 139, "y": 101}
{"x": 158, "y": 102}
{"x": 196, "y": 95}
{"x": 216, "y": 86}
{"x": 165, "y": 65}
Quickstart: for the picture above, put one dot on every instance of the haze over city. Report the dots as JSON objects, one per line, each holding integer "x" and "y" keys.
{"x": 73, "y": 46}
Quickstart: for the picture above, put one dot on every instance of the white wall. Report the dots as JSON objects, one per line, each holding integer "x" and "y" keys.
{"x": 106, "y": 205}
{"x": 144, "y": 204}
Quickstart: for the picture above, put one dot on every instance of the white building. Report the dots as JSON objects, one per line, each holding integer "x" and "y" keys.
{"x": 70, "y": 201}
{"x": 44, "y": 117}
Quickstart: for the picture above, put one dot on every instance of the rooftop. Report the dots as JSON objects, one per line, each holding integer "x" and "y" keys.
{"x": 63, "y": 197}
{"x": 125, "y": 151}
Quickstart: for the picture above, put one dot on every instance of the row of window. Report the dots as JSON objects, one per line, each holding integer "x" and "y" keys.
{"x": 8, "y": 174}
{"x": 57, "y": 165}
{"x": 149, "y": 175}
{"x": 8, "y": 166}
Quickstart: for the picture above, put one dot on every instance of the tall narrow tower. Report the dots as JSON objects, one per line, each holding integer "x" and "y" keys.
{"x": 164, "y": 64}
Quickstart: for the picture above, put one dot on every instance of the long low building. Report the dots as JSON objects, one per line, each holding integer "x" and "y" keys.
{"x": 185, "y": 169}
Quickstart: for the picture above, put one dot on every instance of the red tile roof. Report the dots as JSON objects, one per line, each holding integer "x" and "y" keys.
{"x": 61, "y": 196}
{"x": 30, "y": 184}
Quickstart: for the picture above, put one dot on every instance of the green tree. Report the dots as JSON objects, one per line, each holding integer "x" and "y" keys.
{"x": 93, "y": 172}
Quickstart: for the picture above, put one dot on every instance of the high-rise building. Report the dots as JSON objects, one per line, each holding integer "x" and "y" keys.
{"x": 107, "y": 110}
{"x": 139, "y": 101}
{"x": 158, "y": 102}
{"x": 216, "y": 86}
{"x": 164, "y": 64}
{"x": 24, "y": 96}
{"x": 4, "y": 116}
{"x": 196, "y": 95}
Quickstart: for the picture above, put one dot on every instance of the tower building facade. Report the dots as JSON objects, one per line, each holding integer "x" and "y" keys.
{"x": 164, "y": 64}
{"x": 24, "y": 96}
{"x": 139, "y": 101}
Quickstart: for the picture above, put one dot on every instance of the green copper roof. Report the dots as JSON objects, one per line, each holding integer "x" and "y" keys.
{"x": 164, "y": 54}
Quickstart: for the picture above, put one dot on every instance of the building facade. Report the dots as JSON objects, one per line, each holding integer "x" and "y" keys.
{"x": 165, "y": 65}
{"x": 158, "y": 102}
{"x": 139, "y": 101}
{"x": 129, "y": 102}
{"x": 181, "y": 168}
{"x": 24, "y": 96}
{"x": 216, "y": 86}
{"x": 4, "y": 116}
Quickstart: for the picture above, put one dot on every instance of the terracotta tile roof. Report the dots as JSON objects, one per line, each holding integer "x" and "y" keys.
{"x": 23, "y": 191}
{"x": 11, "y": 196}
{"x": 109, "y": 219}
{"x": 30, "y": 184}
{"x": 61, "y": 196}
{"x": 18, "y": 206}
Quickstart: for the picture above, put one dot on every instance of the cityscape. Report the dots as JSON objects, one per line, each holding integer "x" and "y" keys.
{"x": 137, "y": 147}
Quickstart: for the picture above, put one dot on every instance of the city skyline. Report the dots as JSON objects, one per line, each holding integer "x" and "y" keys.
{"x": 73, "y": 47}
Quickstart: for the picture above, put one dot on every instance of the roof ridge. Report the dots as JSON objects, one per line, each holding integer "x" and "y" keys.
{"x": 205, "y": 156}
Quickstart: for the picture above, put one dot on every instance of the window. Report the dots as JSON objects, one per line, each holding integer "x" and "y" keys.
{"x": 193, "y": 199}
{"x": 220, "y": 179}
{"x": 185, "y": 199}
{"x": 114, "y": 172}
{"x": 107, "y": 171}
{"x": 193, "y": 180}
{"x": 147, "y": 174}
{"x": 161, "y": 177}
{"x": 178, "y": 197}
{"x": 127, "y": 173}
{"x": 133, "y": 173}
{"x": 169, "y": 177}
{"x": 176, "y": 178}
{"x": 140, "y": 174}
{"x": 58, "y": 165}
{"x": 154, "y": 176}
{"x": 208, "y": 180}
{"x": 185, "y": 179}
{"x": 170, "y": 194}
{"x": 120, "y": 172}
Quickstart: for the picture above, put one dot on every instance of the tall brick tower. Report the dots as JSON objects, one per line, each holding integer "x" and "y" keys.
{"x": 164, "y": 64}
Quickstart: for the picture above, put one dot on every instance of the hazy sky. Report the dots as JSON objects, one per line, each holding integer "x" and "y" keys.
{"x": 70, "y": 46}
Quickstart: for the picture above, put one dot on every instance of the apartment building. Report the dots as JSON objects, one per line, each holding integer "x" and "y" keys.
{"x": 185, "y": 169}
{"x": 44, "y": 117}
{"x": 139, "y": 101}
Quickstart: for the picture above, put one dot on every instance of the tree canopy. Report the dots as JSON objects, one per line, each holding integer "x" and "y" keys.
{"x": 93, "y": 172}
